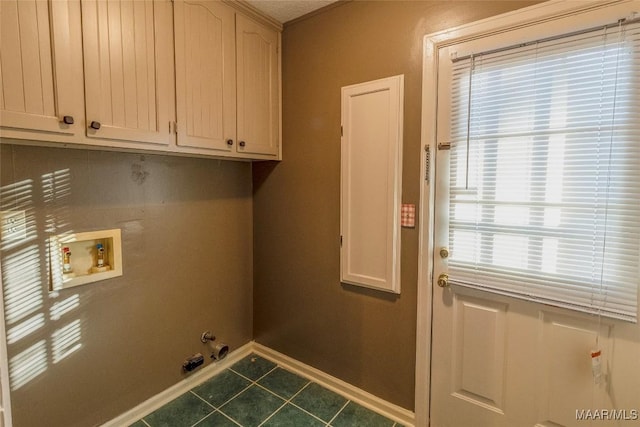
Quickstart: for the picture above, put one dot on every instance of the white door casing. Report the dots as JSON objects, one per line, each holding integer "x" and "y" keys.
{"x": 494, "y": 360}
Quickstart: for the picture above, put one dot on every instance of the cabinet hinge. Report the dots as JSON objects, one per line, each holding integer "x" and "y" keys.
{"x": 341, "y": 131}
{"x": 340, "y": 241}
{"x": 427, "y": 162}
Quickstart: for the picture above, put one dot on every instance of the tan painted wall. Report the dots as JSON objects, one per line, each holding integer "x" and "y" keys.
{"x": 187, "y": 244}
{"x": 364, "y": 337}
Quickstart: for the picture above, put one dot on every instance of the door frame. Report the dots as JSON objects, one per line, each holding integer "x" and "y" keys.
{"x": 548, "y": 13}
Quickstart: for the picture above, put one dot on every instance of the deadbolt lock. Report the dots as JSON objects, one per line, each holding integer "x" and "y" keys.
{"x": 443, "y": 280}
{"x": 444, "y": 252}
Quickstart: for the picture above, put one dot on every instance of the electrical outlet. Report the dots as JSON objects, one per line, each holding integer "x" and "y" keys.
{"x": 14, "y": 225}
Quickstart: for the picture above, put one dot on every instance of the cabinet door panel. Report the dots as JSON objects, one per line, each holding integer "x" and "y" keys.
{"x": 205, "y": 74}
{"x": 127, "y": 58}
{"x": 37, "y": 91}
{"x": 258, "y": 87}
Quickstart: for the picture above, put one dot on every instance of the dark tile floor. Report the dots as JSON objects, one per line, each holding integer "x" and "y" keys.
{"x": 257, "y": 392}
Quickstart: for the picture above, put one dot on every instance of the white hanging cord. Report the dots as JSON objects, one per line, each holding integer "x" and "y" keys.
{"x": 603, "y": 294}
{"x": 473, "y": 67}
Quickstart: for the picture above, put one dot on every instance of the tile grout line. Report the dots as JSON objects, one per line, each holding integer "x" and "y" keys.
{"x": 201, "y": 419}
{"x": 255, "y": 382}
{"x": 221, "y": 413}
{"x": 250, "y": 384}
{"x": 235, "y": 395}
{"x": 287, "y": 401}
{"x": 225, "y": 402}
{"x": 338, "y": 413}
{"x": 210, "y": 413}
{"x": 290, "y": 400}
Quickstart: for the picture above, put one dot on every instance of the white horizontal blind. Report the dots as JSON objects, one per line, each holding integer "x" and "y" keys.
{"x": 545, "y": 172}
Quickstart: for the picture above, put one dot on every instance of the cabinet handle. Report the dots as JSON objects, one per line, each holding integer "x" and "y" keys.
{"x": 95, "y": 125}
{"x": 241, "y": 143}
{"x": 67, "y": 120}
{"x": 229, "y": 142}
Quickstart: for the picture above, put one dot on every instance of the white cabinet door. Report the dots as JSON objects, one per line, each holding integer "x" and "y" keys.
{"x": 258, "y": 88}
{"x": 127, "y": 60}
{"x": 371, "y": 183}
{"x": 40, "y": 88}
{"x": 205, "y": 75}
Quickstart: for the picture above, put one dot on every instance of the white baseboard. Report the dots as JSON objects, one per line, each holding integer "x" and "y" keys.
{"x": 368, "y": 400}
{"x": 166, "y": 396}
{"x": 389, "y": 410}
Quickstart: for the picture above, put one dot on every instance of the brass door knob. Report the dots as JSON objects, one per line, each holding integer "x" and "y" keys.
{"x": 443, "y": 280}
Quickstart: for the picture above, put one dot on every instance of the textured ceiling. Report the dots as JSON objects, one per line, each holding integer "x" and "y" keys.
{"x": 286, "y": 10}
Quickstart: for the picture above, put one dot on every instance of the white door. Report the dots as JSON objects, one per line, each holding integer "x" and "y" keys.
{"x": 127, "y": 66}
{"x": 502, "y": 361}
{"x": 258, "y": 87}
{"x": 40, "y": 70}
{"x": 205, "y": 74}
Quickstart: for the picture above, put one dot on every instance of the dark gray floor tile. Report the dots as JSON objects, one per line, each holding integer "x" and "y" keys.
{"x": 354, "y": 415}
{"x": 185, "y": 411}
{"x": 216, "y": 420}
{"x": 221, "y": 388}
{"x": 290, "y": 416}
{"x": 252, "y": 406}
{"x": 253, "y": 367}
{"x": 282, "y": 382}
{"x": 319, "y": 401}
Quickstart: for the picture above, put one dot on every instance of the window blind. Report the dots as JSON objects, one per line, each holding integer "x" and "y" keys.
{"x": 544, "y": 198}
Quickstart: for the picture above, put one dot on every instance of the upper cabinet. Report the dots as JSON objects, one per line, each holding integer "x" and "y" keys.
{"x": 184, "y": 76}
{"x": 227, "y": 81}
{"x": 205, "y": 74}
{"x": 40, "y": 98}
{"x": 258, "y": 87}
{"x": 127, "y": 70}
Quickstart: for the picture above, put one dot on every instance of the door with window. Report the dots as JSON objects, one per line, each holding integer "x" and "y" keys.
{"x": 537, "y": 227}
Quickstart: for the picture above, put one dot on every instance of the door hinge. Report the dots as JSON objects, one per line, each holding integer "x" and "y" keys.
{"x": 427, "y": 162}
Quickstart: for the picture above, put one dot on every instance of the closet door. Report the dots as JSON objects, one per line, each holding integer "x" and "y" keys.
{"x": 258, "y": 88}
{"x": 205, "y": 75}
{"x": 127, "y": 60}
{"x": 40, "y": 69}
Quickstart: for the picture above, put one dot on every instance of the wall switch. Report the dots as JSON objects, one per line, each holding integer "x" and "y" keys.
{"x": 14, "y": 225}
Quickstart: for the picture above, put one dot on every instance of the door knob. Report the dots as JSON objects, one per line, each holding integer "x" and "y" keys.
{"x": 443, "y": 280}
